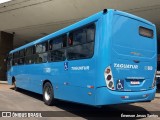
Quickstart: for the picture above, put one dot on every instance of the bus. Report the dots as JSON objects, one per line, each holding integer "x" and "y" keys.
{"x": 107, "y": 58}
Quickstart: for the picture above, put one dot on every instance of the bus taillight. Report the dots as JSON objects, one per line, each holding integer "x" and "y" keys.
{"x": 109, "y": 78}
{"x": 108, "y": 71}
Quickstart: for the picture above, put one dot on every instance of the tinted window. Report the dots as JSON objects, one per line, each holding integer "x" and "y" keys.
{"x": 146, "y": 32}
{"x": 81, "y": 43}
{"x": 21, "y": 53}
{"x": 78, "y": 37}
{"x": 58, "y": 43}
{"x": 21, "y": 61}
{"x": 29, "y": 59}
{"x": 41, "y": 58}
{"x": 43, "y": 47}
{"x": 81, "y": 51}
{"x": 16, "y": 55}
{"x": 90, "y": 31}
{"x": 15, "y": 62}
{"x": 29, "y": 51}
{"x": 57, "y": 55}
{"x": 42, "y": 54}
{"x": 57, "y": 46}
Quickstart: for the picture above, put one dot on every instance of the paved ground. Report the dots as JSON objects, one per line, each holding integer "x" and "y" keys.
{"x": 22, "y": 100}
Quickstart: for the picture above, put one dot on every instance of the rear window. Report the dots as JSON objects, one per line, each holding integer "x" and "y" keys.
{"x": 145, "y": 32}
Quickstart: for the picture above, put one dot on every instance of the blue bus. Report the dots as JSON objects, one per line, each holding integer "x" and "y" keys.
{"x": 107, "y": 58}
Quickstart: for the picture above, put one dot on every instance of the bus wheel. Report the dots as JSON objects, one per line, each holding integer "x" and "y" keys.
{"x": 14, "y": 85}
{"x": 48, "y": 96}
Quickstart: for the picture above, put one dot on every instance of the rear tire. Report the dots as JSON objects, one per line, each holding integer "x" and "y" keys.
{"x": 48, "y": 94}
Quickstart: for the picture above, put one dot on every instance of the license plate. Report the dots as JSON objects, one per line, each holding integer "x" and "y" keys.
{"x": 135, "y": 82}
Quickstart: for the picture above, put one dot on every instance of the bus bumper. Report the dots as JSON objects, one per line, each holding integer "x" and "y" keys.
{"x": 106, "y": 97}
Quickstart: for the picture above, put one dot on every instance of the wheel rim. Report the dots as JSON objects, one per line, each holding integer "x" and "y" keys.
{"x": 47, "y": 93}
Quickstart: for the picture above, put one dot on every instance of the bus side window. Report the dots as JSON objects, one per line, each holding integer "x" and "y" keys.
{"x": 90, "y": 33}
{"x": 57, "y": 45}
{"x": 15, "y": 62}
{"x": 21, "y": 57}
{"x": 15, "y": 58}
{"x": 70, "y": 39}
{"x": 21, "y": 61}
{"x": 77, "y": 37}
{"x": 64, "y": 39}
{"x": 41, "y": 52}
{"x": 29, "y": 51}
{"x": 81, "y": 43}
{"x": 30, "y": 58}
{"x": 16, "y": 55}
{"x": 42, "y": 47}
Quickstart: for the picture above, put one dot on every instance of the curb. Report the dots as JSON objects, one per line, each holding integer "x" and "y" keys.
{"x": 3, "y": 82}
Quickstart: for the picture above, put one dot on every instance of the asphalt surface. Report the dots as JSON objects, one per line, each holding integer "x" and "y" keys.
{"x": 23, "y": 100}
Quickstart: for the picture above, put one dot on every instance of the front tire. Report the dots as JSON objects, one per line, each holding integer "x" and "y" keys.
{"x": 48, "y": 94}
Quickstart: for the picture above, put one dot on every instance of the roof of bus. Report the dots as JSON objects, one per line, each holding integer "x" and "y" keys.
{"x": 134, "y": 17}
{"x": 85, "y": 21}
